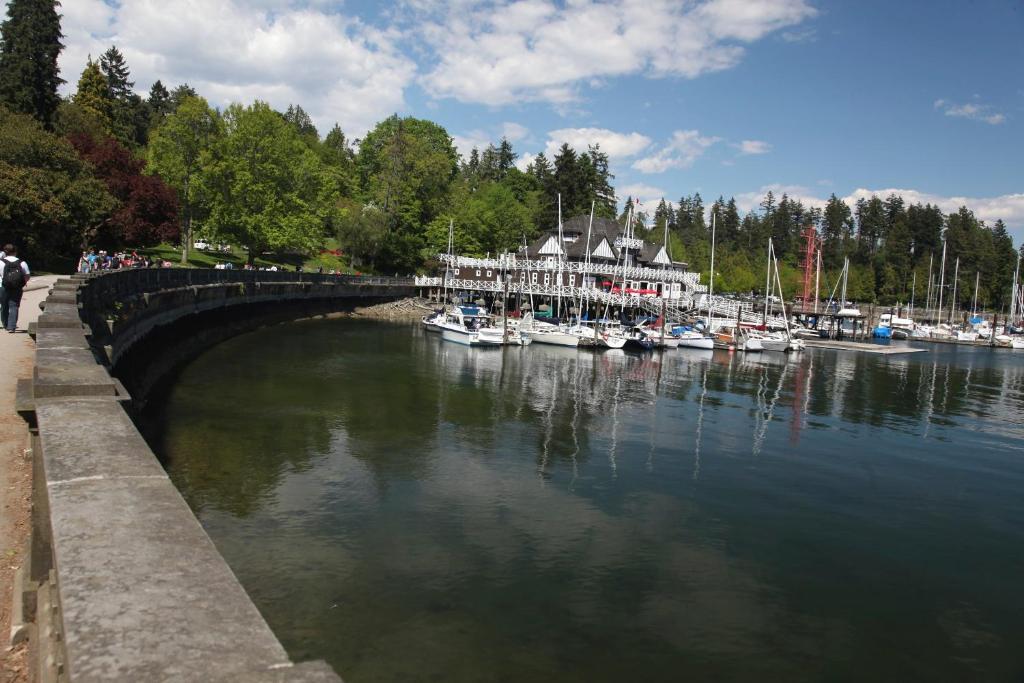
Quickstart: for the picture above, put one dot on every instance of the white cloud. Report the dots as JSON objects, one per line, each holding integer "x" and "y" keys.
{"x": 615, "y": 145}
{"x": 514, "y": 131}
{"x": 539, "y": 50}
{"x": 648, "y": 195}
{"x": 753, "y": 147}
{"x": 524, "y": 160}
{"x": 685, "y": 147}
{"x": 1008, "y": 207}
{"x": 474, "y": 138}
{"x": 972, "y": 111}
{"x": 336, "y": 67}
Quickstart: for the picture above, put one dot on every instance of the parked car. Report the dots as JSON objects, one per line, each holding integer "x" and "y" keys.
{"x": 201, "y": 245}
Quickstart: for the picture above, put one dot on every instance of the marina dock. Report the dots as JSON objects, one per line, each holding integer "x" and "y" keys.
{"x": 860, "y": 346}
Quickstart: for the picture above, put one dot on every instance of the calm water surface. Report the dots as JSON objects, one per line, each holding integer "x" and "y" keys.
{"x": 410, "y": 509}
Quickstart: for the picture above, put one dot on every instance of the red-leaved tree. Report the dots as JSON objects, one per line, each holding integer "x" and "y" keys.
{"x": 148, "y": 208}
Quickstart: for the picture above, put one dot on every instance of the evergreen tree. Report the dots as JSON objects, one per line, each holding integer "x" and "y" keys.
{"x": 115, "y": 69}
{"x": 601, "y": 191}
{"x": 128, "y": 112}
{"x": 159, "y": 100}
{"x": 93, "y": 97}
{"x": 180, "y": 94}
{"x": 29, "y": 47}
{"x": 297, "y": 117}
{"x": 506, "y": 158}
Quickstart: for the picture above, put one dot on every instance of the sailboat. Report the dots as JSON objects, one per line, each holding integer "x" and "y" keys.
{"x": 433, "y": 320}
{"x": 783, "y": 341}
{"x": 549, "y": 333}
{"x": 694, "y": 339}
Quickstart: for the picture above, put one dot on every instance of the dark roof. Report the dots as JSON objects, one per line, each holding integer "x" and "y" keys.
{"x": 606, "y": 228}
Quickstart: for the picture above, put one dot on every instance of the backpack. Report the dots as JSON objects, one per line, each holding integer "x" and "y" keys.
{"x": 14, "y": 277}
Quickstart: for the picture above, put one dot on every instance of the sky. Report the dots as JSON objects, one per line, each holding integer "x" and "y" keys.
{"x": 721, "y": 97}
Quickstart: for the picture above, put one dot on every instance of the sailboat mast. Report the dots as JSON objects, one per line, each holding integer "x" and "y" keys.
{"x": 448, "y": 261}
{"x": 586, "y": 262}
{"x": 767, "y": 279}
{"x": 928, "y": 297}
{"x": 913, "y": 288}
{"x": 817, "y": 281}
{"x": 942, "y": 277}
{"x": 974, "y": 304}
{"x": 782, "y": 298}
{"x": 1013, "y": 292}
{"x": 711, "y": 280}
{"x": 558, "y": 308}
{"x": 956, "y": 275}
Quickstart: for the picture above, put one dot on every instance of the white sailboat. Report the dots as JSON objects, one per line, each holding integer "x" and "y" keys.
{"x": 549, "y": 333}
{"x": 433, "y": 320}
{"x": 693, "y": 339}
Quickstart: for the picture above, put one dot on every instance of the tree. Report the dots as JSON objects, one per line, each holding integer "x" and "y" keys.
{"x": 297, "y": 117}
{"x": 93, "y": 97}
{"x": 506, "y": 158}
{"x": 49, "y": 199}
{"x": 29, "y": 47}
{"x": 159, "y": 101}
{"x": 175, "y": 154}
{"x": 180, "y": 94}
{"x": 337, "y": 154}
{"x": 148, "y": 209}
{"x": 264, "y": 186}
{"x": 836, "y": 232}
{"x": 406, "y": 167}
{"x": 601, "y": 191}
{"x": 115, "y": 69}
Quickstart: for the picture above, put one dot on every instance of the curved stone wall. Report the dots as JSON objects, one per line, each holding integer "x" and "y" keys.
{"x": 128, "y": 584}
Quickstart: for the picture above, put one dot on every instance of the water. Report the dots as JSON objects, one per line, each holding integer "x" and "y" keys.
{"x": 410, "y": 509}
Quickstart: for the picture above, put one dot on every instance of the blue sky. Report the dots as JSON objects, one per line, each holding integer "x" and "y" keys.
{"x": 725, "y": 97}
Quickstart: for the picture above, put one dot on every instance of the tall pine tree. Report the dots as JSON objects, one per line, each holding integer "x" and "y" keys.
{"x": 29, "y": 47}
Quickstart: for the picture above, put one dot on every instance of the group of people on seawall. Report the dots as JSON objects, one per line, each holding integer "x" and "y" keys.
{"x": 93, "y": 261}
{"x": 14, "y": 277}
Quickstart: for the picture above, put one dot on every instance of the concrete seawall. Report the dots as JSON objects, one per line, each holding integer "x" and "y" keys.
{"x": 122, "y": 582}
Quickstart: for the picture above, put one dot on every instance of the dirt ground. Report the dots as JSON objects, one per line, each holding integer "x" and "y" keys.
{"x": 16, "y": 356}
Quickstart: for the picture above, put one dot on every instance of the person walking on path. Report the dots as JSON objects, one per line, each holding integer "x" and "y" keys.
{"x": 15, "y": 276}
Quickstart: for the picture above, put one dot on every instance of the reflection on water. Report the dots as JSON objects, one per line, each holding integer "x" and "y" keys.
{"x": 414, "y": 510}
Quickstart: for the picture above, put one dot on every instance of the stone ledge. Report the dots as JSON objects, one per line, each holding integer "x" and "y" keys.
{"x": 91, "y": 438}
{"x": 70, "y": 372}
{"x": 145, "y": 595}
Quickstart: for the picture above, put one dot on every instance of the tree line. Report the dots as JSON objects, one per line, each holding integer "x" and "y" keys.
{"x": 108, "y": 167}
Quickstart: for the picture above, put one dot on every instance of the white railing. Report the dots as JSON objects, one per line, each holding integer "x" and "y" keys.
{"x": 510, "y": 262}
{"x": 677, "y": 306}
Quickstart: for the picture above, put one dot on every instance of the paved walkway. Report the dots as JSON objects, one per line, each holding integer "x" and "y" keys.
{"x": 16, "y": 356}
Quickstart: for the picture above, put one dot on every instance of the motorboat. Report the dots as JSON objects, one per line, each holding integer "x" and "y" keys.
{"x": 432, "y": 321}
{"x": 471, "y": 326}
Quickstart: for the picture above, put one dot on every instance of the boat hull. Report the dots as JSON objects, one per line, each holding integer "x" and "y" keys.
{"x": 553, "y": 338}
{"x": 706, "y": 343}
{"x": 467, "y": 338}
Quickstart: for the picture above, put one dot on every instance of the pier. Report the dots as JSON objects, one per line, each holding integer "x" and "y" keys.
{"x": 863, "y": 347}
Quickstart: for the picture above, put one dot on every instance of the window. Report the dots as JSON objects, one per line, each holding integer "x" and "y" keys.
{"x": 533, "y": 278}
{"x": 547, "y": 278}
{"x": 456, "y": 271}
{"x": 488, "y": 273}
{"x": 478, "y": 273}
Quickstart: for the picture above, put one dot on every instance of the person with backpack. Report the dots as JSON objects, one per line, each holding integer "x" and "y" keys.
{"x": 14, "y": 277}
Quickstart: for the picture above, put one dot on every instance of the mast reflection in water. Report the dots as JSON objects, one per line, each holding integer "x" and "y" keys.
{"x": 413, "y": 510}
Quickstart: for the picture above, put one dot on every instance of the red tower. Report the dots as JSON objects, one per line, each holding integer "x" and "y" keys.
{"x": 811, "y": 246}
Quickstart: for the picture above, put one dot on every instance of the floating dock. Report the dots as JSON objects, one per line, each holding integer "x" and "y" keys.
{"x": 860, "y": 346}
